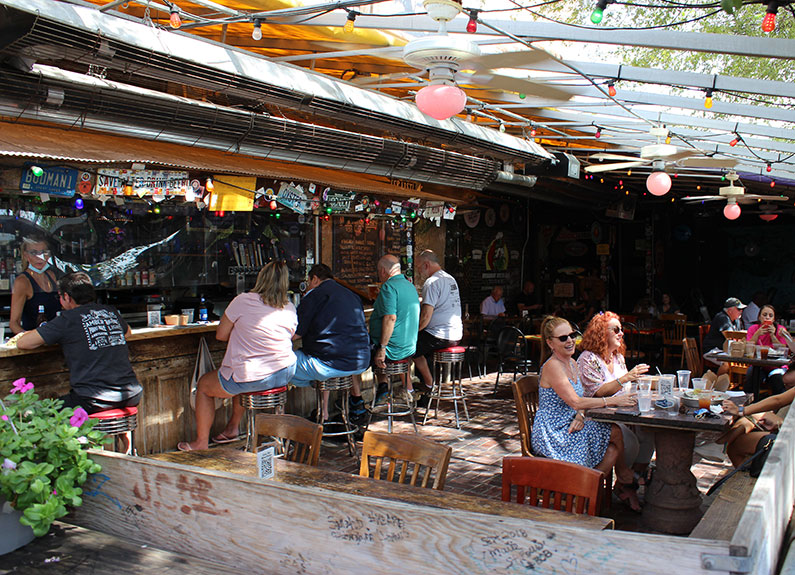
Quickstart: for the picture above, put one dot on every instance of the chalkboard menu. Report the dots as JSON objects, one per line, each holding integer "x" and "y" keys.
{"x": 358, "y": 246}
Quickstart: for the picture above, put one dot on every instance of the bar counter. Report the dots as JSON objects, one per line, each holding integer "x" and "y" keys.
{"x": 163, "y": 359}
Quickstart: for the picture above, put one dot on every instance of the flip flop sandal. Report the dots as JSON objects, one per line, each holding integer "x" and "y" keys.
{"x": 223, "y": 438}
{"x": 184, "y": 446}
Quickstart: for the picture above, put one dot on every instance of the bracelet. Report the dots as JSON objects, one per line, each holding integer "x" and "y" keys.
{"x": 741, "y": 410}
{"x": 605, "y": 400}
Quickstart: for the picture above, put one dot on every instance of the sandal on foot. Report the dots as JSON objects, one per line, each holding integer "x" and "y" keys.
{"x": 224, "y": 438}
{"x": 184, "y": 446}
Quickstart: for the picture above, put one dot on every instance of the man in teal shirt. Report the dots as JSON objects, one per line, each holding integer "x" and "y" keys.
{"x": 394, "y": 323}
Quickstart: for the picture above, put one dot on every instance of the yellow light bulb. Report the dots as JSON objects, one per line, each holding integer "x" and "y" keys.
{"x": 708, "y": 102}
{"x": 349, "y": 23}
{"x": 668, "y": 140}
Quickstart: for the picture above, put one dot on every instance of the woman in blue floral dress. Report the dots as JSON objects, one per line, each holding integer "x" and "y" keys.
{"x": 560, "y": 430}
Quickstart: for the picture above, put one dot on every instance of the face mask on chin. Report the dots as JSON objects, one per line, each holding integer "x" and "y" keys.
{"x": 46, "y": 266}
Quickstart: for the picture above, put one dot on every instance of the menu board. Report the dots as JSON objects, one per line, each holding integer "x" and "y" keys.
{"x": 358, "y": 246}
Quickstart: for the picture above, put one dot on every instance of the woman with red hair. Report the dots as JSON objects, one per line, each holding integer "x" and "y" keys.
{"x": 603, "y": 371}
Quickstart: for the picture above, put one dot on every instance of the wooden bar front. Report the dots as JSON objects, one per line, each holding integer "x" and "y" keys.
{"x": 163, "y": 359}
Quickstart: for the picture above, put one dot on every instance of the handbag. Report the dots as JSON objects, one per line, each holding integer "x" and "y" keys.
{"x": 204, "y": 364}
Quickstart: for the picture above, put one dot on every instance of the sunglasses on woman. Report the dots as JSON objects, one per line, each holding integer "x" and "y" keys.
{"x": 617, "y": 329}
{"x": 565, "y": 338}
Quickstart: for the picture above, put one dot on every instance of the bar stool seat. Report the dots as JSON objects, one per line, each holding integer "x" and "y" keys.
{"x": 121, "y": 421}
{"x": 344, "y": 385}
{"x": 275, "y": 399}
{"x": 453, "y": 357}
{"x": 392, "y": 369}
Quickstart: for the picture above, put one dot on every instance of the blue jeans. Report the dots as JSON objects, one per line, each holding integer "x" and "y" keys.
{"x": 309, "y": 369}
{"x": 276, "y": 379}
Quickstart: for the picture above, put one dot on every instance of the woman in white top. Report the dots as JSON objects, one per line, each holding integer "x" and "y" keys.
{"x": 603, "y": 371}
{"x": 259, "y": 326}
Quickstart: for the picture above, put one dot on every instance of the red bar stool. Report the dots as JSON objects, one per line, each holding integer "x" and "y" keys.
{"x": 453, "y": 359}
{"x": 392, "y": 369}
{"x": 275, "y": 399}
{"x": 122, "y": 421}
{"x": 343, "y": 384}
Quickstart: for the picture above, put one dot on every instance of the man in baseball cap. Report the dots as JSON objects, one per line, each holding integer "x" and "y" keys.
{"x": 726, "y": 319}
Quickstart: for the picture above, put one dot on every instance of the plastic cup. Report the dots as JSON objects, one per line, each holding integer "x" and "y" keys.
{"x": 763, "y": 351}
{"x": 704, "y": 400}
{"x": 665, "y": 385}
{"x": 683, "y": 376}
{"x": 644, "y": 395}
{"x": 699, "y": 383}
{"x": 188, "y": 312}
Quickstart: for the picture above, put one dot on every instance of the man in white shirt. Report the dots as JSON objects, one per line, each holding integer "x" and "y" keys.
{"x": 751, "y": 311}
{"x": 440, "y": 315}
{"x": 493, "y": 305}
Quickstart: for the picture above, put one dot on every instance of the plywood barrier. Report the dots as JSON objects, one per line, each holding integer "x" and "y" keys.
{"x": 261, "y": 526}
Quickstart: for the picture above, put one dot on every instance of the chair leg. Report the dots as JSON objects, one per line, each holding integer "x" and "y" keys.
{"x": 497, "y": 381}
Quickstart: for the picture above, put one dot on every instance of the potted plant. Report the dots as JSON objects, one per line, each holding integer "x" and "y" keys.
{"x": 43, "y": 462}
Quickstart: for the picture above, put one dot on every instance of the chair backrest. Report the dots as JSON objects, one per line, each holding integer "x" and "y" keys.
{"x": 632, "y": 341}
{"x": 525, "y": 395}
{"x": 299, "y": 438}
{"x": 549, "y": 483}
{"x": 692, "y": 357}
{"x": 404, "y": 458}
{"x": 703, "y": 330}
{"x": 674, "y": 326}
{"x": 493, "y": 328}
{"x": 511, "y": 342}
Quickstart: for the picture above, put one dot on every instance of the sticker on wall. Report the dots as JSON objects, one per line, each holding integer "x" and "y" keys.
{"x": 514, "y": 255}
{"x": 472, "y": 218}
{"x": 497, "y": 254}
{"x": 596, "y": 232}
{"x": 477, "y": 255}
{"x": 505, "y": 213}
{"x": 491, "y": 217}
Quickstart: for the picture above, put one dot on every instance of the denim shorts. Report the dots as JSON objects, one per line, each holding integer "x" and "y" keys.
{"x": 276, "y": 379}
{"x": 309, "y": 369}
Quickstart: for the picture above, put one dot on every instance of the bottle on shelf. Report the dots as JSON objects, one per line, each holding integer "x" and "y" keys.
{"x": 41, "y": 318}
{"x": 203, "y": 317}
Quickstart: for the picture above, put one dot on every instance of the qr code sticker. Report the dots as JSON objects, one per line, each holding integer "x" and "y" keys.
{"x": 265, "y": 457}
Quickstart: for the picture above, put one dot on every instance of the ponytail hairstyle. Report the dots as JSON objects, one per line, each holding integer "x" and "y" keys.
{"x": 547, "y": 327}
{"x": 272, "y": 284}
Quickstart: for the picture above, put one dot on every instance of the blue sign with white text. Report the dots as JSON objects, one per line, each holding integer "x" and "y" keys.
{"x": 54, "y": 181}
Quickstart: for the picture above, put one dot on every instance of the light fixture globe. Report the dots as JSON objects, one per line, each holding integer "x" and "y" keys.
{"x": 768, "y": 217}
{"x": 658, "y": 183}
{"x": 731, "y": 211}
{"x": 441, "y": 101}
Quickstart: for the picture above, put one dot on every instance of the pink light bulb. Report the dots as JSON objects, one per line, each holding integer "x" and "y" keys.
{"x": 441, "y": 101}
{"x": 731, "y": 211}
{"x": 658, "y": 183}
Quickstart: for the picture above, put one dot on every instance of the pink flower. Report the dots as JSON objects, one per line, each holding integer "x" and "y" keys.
{"x": 20, "y": 386}
{"x": 4, "y": 417}
{"x": 82, "y": 440}
{"x": 8, "y": 464}
{"x": 79, "y": 418}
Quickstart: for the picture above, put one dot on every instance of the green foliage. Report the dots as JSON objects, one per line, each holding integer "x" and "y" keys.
{"x": 44, "y": 457}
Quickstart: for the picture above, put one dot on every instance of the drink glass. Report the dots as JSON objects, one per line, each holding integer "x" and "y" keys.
{"x": 699, "y": 383}
{"x": 704, "y": 400}
{"x": 188, "y": 311}
{"x": 644, "y": 395}
{"x": 763, "y": 351}
{"x": 665, "y": 387}
{"x": 683, "y": 375}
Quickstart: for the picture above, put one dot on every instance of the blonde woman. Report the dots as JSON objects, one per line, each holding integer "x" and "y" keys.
{"x": 259, "y": 326}
{"x": 36, "y": 286}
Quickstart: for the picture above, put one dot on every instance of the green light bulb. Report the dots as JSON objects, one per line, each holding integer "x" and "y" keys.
{"x": 157, "y": 210}
{"x": 522, "y": 96}
{"x": 596, "y": 15}
{"x": 278, "y": 215}
{"x": 36, "y": 171}
{"x": 328, "y": 210}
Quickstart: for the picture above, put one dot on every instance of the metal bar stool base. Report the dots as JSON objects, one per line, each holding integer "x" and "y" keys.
{"x": 115, "y": 422}
{"x": 274, "y": 399}
{"x": 454, "y": 358}
{"x": 391, "y": 409}
{"x": 343, "y": 384}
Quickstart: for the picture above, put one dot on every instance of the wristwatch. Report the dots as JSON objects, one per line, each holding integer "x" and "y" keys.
{"x": 377, "y": 346}
{"x": 741, "y": 410}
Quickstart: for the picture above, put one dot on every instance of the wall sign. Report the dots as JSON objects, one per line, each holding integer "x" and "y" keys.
{"x": 292, "y": 196}
{"x": 112, "y": 182}
{"x": 55, "y": 181}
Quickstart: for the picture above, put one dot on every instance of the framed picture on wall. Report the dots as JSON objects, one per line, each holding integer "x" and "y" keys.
{"x": 562, "y": 289}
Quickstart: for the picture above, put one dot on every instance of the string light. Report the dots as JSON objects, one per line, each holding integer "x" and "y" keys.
{"x": 208, "y": 185}
{"x": 37, "y": 171}
{"x": 598, "y": 132}
{"x": 273, "y": 205}
{"x": 533, "y": 135}
{"x": 735, "y": 141}
{"x": 472, "y": 25}
{"x": 769, "y": 21}
{"x": 769, "y": 167}
{"x": 256, "y": 33}
{"x": 611, "y": 89}
{"x": 79, "y": 203}
{"x": 668, "y": 139}
{"x": 174, "y": 20}
{"x": 598, "y": 12}
{"x": 349, "y": 23}
{"x": 772, "y": 183}
{"x": 502, "y": 127}
{"x": 522, "y": 96}
{"x": 708, "y": 100}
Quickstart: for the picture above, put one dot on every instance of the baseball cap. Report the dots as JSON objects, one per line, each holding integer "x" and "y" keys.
{"x": 733, "y": 302}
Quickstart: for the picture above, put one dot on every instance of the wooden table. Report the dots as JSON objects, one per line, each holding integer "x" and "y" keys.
{"x": 756, "y": 374}
{"x": 672, "y": 499}
{"x": 243, "y": 463}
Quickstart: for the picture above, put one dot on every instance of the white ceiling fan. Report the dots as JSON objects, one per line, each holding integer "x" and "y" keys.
{"x": 660, "y": 156}
{"x": 444, "y": 57}
{"x": 734, "y": 195}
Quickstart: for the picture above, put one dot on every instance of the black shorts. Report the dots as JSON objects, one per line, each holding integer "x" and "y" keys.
{"x": 426, "y": 343}
{"x": 92, "y": 405}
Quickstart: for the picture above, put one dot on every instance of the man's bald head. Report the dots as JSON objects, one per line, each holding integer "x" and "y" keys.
{"x": 389, "y": 265}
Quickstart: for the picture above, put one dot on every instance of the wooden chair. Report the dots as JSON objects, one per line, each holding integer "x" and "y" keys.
{"x": 674, "y": 326}
{"x": 634, "y": 355}
{"x": 525, "y": 395}
{"x": 299, "y": 438}
{"x": 552, "y": 484}
{"x": 703, "y": 330}
{"x": 404, "y": 458}
{"x": 692, "y": 357}
{"x": 513, "y": 354}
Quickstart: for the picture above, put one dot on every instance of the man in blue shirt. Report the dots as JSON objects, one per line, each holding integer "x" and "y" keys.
{"x": 332, "y": 328}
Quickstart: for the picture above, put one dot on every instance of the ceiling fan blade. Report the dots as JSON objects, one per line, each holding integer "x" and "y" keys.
{"x": 702, "y": 198}
{"x": 518, "y": 85}
{"x": 608, "y": 156}
{"x": 755, "y": 198}
{"x": 506, "y": 60}
{"x": 596, "y": 168}
{"x": 364, "y": 80}
{"x": 706, "y": 162}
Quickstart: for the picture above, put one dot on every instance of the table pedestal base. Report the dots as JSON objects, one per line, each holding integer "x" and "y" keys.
{"x": 672, "y": 502}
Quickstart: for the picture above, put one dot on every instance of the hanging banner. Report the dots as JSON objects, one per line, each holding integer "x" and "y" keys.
{"x": 292, "y": 197}
{"x": 141, "y": 183}
{"x": 340, "y": 202}
{"x": 54, "y": 181}
{"x": 231, "y": 194}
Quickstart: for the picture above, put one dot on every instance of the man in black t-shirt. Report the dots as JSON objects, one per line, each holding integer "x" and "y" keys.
{"x": 92, "y": 337}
